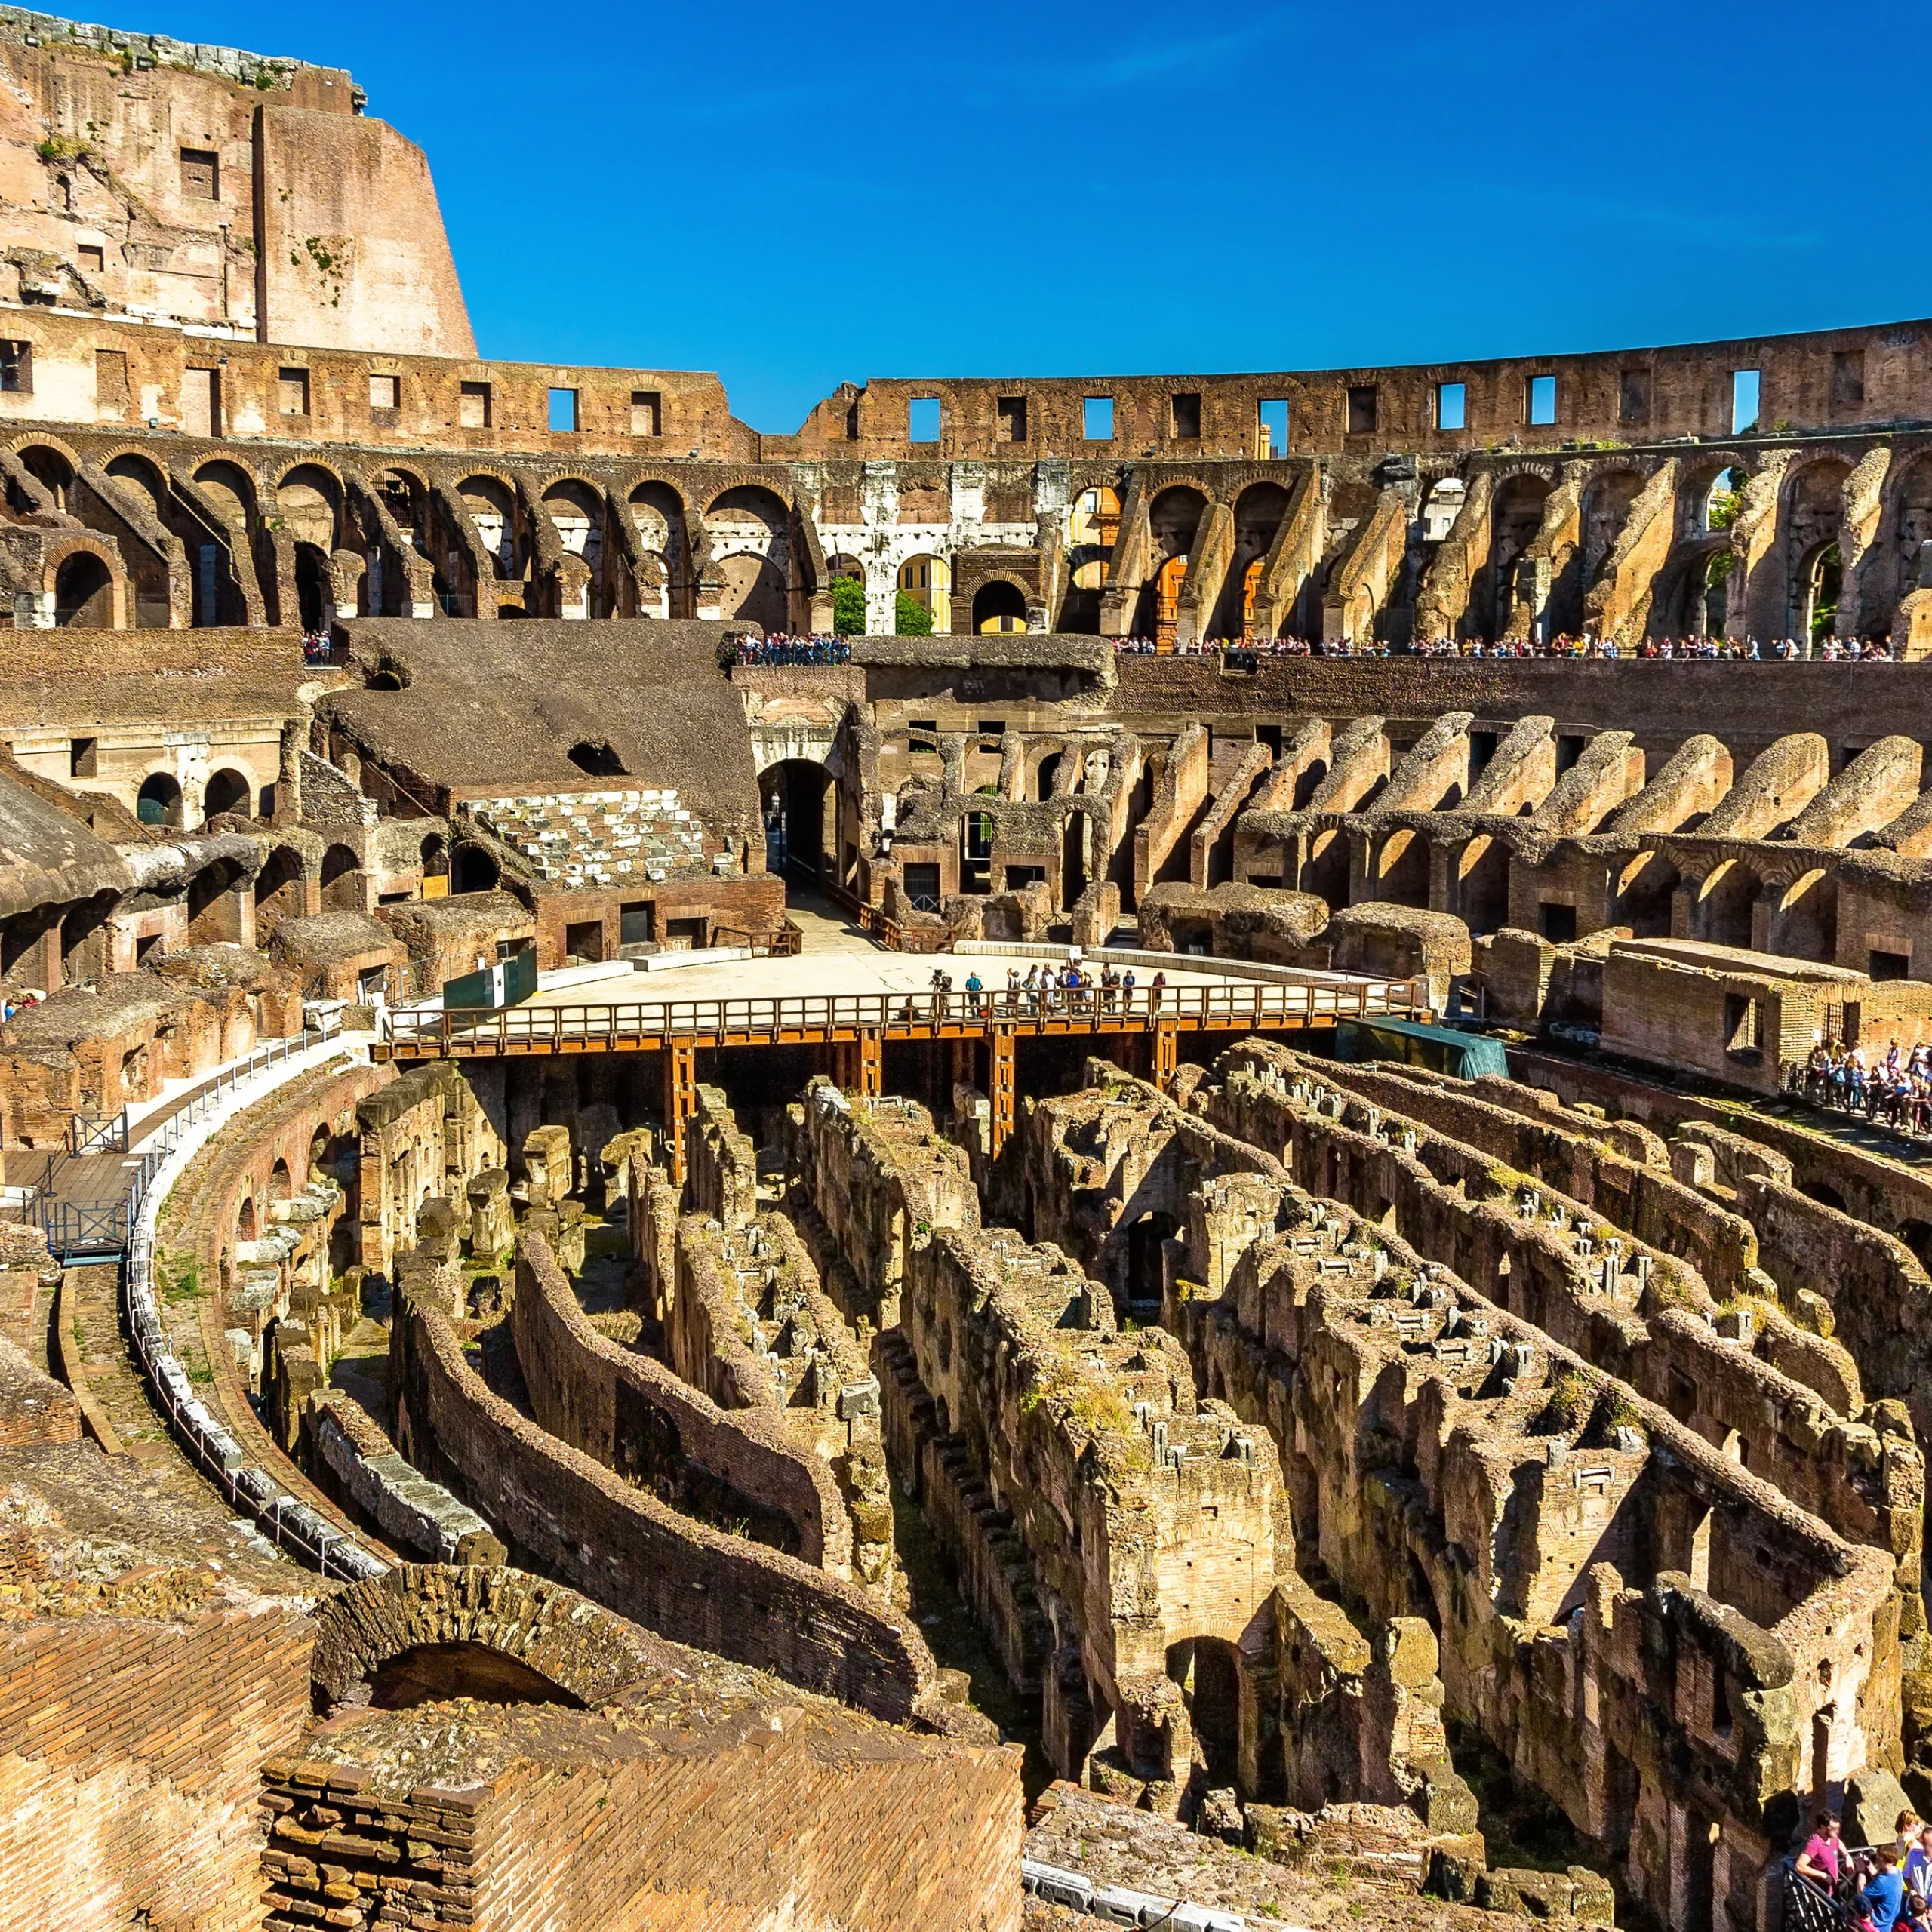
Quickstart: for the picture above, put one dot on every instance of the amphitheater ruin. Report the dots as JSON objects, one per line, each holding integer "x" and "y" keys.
{"x": 1164, "y": 1222}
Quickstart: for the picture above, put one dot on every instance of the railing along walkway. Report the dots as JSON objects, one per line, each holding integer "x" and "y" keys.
{"x": 1230, "y": 1007}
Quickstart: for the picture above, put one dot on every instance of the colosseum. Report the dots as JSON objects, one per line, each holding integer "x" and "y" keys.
{"x": 1148, "y": 1116}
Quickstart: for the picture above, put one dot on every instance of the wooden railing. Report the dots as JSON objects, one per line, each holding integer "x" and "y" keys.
{"x": 1232, "y": 1006}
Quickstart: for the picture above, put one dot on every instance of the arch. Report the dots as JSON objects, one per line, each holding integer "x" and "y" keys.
{"x": 279, "y": 885}
{"x": 576, "y": 509}
{"x": 796, "y": 799}
{"x": 309, "y": 500}
{"x": 512, "y": 611}
{"x": 1441, "y": 507}
{"x": 1821, "y": 577}
{"x": 1173, "y": 519}
{"x": 427, "y": 1631}
{"x": 135, "y": 467}
{"x": 232, "y": 489}
{"x": 227, "y": 790}
{"x": 84, "y": 592}
{"x": 1168, "y": 581}
{"x": 1811, "y": 522}
{"x": 927, "y": 580}
{"x": 1516, "y": 516}
{"x": 214, "y": 911}
{"x": 159, "y": 801}
{"x": 1645, "y": 892}
{"x": 752, "y": 590}
{"x": 1092, "y": 529}
{"x": 491, "y": 505}
{"x": 245, "y": 1220}
{"x": 53, "y": 468}
{"x": 282, "y": 1186}
{"x": 1607, "y": 496}
{"x": 342, "y": 881}
{"x": 745, "y": 514}
{"x": 998, "y": 605}
{"x": 474, "y": 868}
{"x": 434, "y": 854}
{"x": 1259, "y": 511}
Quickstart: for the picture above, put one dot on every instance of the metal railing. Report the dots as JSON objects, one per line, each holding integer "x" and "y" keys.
{"x": 1232, "y": 1006}
{"x": 1808, "y": 1909}
{"x": 287, "y": 1522}
{"x": 86, "y": 1135}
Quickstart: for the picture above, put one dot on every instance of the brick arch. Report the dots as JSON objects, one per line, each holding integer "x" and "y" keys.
{"x": 142, "y": 452}
{"x": 277, "y": 478}
{"x": 64, "y": 544}
{"x": 29, "y": 439}
{"x": 584, "y": 1652}
{"x": 637, "y": 480}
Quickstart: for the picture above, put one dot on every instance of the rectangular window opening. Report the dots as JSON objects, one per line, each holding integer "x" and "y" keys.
{"x": 1847, "y": 379}
{"x": 81, "y": 757}
{"x": 1272, "y": 423}
{"x": 294, "y": 391}
{"x": 1540, "y": 402}
{"x": 385, "y": 392}
{"x": 1743, "y": 401}
{"x": 1559, "y": 923}
{"x": 200, "y": 174}
{"x": 1362, "y": 410}
{"x": 472, "y": 406}
{"x": 1452, "y": 405}
{"x": 1740, "y": 1024}
{"x": 93, "y": 258}
{"x": 647, "y": 413}
{"x": 563, "y": 412}
{"x": 1096, "y": 419}
{"x": 922, "y": 419}
{"x": 1633, "y": 396}
{"x": 1184, "y": 417}
{"x": 1889, "y": 965}
{"x": 110, "y": 381}
{"x": 1011, "y": 427}
{"x": 16, "y": 368}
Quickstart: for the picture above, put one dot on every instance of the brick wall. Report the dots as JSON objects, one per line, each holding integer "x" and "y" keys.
{"x": 130, "y": 1752}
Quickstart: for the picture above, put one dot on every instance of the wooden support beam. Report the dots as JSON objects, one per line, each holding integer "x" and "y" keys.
{"x": 999, "y": 1044}
{"x": 680, "y": 1070}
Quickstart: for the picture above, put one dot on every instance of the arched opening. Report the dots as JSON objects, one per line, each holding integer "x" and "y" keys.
{"x": 1823, "y": 1193}
{"x": 435, "y": 854}
{"x": 1917, "y": 1236}
{"x": 473, "y": 869}
{"x": 311, "y": 575}
{"x": 1483, "y": 870}
{"x": 280, "y": 1186}
{"x": 927, "y": 581}
{"x": 1724, "y": 903}
{"x": 308, "y": 500}
{"x": 577, "y": 511}
{"x": 228, "y": 790}
{"x": 492, "y": 512}
{"x": 657, "y": 515}
{"x": 245, "y": 1220}
{"x": 998, "y": 607}
{"x": 84, "y": 592}
{"x": 52, "y": 470}
{"x": 1643, "y": 895}
{"x": 511, "y": 610}
{"x": 1259, "y": 510}
{"x": 751, "y": 588}
{"x": 214, "y": 911}
{"x": 230, "y": 489}
{"x": 159, "y": 801}
{"x": 140, "y": 474}
{"x": 1824, "y": 579}
{"x": 598, "y": 758}
{"x": 1441, "y": 507}
{"x": 278, "y": 886}
{"x": 796, "y": 797}
{"x": 435, "y": 1673}
{"x": 1092, "y": 529}
{"x": 1174, "y": 519}
{"x": 342, "y": 881}
{"x": 84, "y": 940}
{"x": 1515, "y": 600}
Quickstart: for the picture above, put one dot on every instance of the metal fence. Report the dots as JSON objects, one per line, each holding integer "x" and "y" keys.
{"x": 290, "y": 1524}
{"x": 1232, "y": 1006}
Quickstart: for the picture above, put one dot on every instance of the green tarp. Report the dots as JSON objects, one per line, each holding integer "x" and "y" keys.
{"x": 1440, "y": 1049}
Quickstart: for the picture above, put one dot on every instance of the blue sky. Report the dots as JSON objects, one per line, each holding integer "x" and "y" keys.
{"x": 794, "y": 197}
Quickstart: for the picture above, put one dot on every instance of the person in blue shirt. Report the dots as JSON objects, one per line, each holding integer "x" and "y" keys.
{"x": 1884, "y": 1894}
{"x": 1918, "y": 1864}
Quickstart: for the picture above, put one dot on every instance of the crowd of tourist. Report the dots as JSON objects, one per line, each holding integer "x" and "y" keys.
{"x": 1071, "y": 987}
{"x": 1893, "y": 1090}
{"x": 1749, "y": 650}
{"x": 315, "y": 647}
{"x": 1885, "y": 1887}
{"x": 778, "y": 649}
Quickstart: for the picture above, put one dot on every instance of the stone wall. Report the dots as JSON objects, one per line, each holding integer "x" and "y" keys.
{"x": 573, "y": 1518}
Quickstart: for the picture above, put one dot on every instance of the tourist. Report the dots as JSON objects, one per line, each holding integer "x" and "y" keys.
{"x": 1918, "y": 1863}
{"x": 976, "y": 1004}
{"x": 1819, "y": 1862}
{"x": 1157, "y": 991}
{"x": 1883, "y": 1895}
